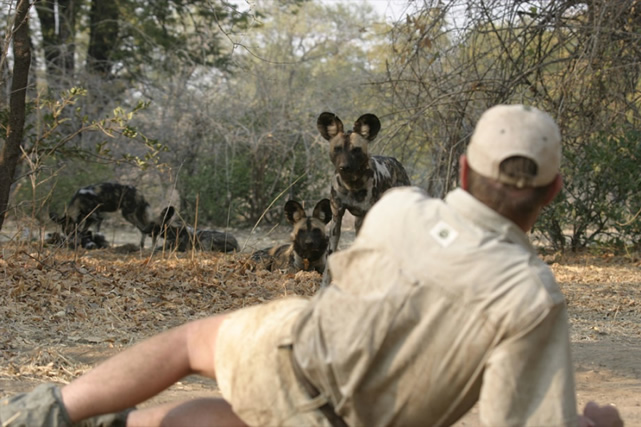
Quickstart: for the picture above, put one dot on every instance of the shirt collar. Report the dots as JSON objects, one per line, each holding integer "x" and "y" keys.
{"x": 485, "y": 217}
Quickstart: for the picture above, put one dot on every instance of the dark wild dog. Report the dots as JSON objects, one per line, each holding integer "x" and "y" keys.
{"x": 89, "y": 204}
{"x": 86, "y": 240}
{"x": 308, "y": 248}
{"x": 359, "y": 179}
{"x": 184, "y": 238}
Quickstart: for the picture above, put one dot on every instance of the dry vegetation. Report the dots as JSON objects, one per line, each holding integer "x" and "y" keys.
{"x": 61, "y": 311}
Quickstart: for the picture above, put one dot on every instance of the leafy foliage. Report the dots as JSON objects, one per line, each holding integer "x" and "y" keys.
{"x": 577, "y": 60}
{"x": 602, "y": 195}
{"x": 221, "y": 104}
{"x": 55, "y": 140}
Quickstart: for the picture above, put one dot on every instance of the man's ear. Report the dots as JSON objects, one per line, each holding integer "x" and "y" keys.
{"x": 555, "y": 189}
{"x": 464, "y": 169}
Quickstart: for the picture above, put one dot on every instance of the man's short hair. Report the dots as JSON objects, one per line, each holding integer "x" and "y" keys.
{"x": 507, "y": 199}
{"x": 509, "y": 131}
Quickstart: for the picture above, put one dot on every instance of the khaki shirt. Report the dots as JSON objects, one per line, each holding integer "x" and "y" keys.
{"x": 437, "y": 305}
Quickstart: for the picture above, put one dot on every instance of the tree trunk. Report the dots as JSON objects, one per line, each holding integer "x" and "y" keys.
{"x": 58, "y": 39}
{"x": 103, "y": 36}
{"x": 10, "y": 154}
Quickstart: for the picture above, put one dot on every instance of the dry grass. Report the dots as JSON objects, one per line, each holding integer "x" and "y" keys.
{"x": 56, "y": 300}
{"x": 603, "y": 293}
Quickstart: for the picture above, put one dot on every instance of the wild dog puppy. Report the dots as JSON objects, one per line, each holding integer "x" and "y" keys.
{"x": 359, "y": 179}
{"x": 184, "y": 238}
{"x": 89, "y": 204}
{"x": 308, "y": 248}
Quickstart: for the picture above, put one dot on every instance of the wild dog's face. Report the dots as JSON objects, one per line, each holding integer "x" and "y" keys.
{"x": 348, "y": 151}
{"x": 66, "y": 222}
{"x": 309, "y": 238}
{"x": 177, "y": 236}
{"x": 157, "y": 227}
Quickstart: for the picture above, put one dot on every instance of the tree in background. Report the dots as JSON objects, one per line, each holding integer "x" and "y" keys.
{"x": 244, "y": 143}
{"x": 14, "y": 125}
{"x": 579, "y": 60}
{"x": 234, "y": 96}
{"x": 111, "y": 49}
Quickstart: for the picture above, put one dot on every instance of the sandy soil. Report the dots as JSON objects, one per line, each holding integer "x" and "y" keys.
{"x": 62, "y": 312}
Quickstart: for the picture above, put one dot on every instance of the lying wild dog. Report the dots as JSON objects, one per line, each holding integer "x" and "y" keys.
{"x": 85, "y": 240}
{"x": 184, "y": 238}
{"x": 89, "y": 204}
{"x": 359, "y": 179}
{"x": 308, "y": 249}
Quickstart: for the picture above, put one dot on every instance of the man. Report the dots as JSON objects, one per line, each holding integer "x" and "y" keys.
{"x": 437, "y": 305}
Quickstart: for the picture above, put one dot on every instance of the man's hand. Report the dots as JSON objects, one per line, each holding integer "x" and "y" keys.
{"x": 600, "y": 416}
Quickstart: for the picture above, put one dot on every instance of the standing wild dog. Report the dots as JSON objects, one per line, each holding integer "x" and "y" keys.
{"x": 184, "y": 238}
{"x": 89, "y": 204}
{"x": 308, "y": 249}
{"x": 359, "y": 179}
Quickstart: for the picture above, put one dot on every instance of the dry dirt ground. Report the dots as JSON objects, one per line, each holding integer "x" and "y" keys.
{"x": 63, "y": 311}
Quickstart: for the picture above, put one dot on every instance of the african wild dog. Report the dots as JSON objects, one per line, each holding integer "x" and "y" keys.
{"x": 86, "y": 240}
{"x": 359, "y": 179}
{"x": 88, "y": 205}
{"x": 308, "y": 249}
{"x": 184, "y": 238}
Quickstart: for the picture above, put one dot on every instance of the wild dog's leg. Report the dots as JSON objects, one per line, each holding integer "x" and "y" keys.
{"x": 358, "y": 221}
{"x": 334, "y": 237}
{"x": 140, "y": 218}
{"x": 98, "y": 220}
{"x": 335, "y": 229}
{"x": 327, "y": 277}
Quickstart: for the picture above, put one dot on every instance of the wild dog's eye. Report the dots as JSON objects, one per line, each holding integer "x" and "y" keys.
{"x": 338, "y": 149}
{"x": 357, "y": 150}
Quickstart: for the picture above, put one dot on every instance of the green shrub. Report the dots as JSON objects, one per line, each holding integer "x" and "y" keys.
{"x": 601, "y": 196}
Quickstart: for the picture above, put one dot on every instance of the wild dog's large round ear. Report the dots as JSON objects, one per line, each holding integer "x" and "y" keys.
{"x": 294, "y": 211}
{"x": 329, "y": 125}
{"x": 323, "y": 211}
{"x": 367, "y": 126}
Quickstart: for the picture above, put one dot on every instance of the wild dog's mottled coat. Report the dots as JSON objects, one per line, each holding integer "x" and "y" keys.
{"x": 308, "y": 248}
{"x": 359, "y": 179}
{"x": 88, "y": 205}
{"x": 85, "y": 240}
{"x": 184, "y": 238}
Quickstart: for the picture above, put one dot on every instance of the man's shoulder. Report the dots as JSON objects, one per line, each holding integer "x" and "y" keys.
{"x": 404, "y": 197}
{"x": 397, "y": 205}
{"x": 531, "y": 290}
{"x": 405, "y": 193}
{"x": 544, "y": 276}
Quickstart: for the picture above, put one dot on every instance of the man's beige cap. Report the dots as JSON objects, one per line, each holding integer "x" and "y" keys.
{"x": 504, "y": 131}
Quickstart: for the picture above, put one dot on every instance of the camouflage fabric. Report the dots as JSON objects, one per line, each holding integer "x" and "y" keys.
{"x": 40, "y": 407}
{"x": 107, "y": 420}
{"x": 43, "y": 407}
